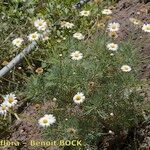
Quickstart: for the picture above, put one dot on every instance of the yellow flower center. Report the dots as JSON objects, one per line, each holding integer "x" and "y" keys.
{"x": 34, "y": 36}
{"x": 148, "y": 28}
{"x": 78, "y": 98}
{"x": 136, "y": 21}
{"x": 76, "y": 55}
{"x": 40, "y": 23}
{"x": 114, "y": 27}
{"x": 3, "y": 107}
{"x": 18, "y": 41}
{"x": 126, "y": 68}
{"x": 45, "y": 121}
{"x": 10, "y": 99}
{"x": 113, "y": 46}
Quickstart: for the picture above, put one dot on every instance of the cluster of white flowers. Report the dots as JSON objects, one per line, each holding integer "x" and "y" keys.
{"x": 40, "y": 24}
{"x": 115, "y": 27}
{"x": 10, "y": 101}
{"x": 77, "y": 35}
{"x": 145, "y": 27}
{"x": 49, "y": 119}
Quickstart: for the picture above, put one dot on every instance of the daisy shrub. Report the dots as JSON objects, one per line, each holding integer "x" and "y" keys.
{"x": 79, "y": 66}
{"x": 89, "y": 82}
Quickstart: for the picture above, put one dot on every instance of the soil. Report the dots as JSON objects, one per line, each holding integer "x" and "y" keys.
{"x": 27, "y": 129}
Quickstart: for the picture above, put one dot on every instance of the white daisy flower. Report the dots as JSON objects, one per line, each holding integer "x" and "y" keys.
{"x": 113, "y": 27}
{"x": 76, "y": 55}
{"x": 47, "y": 120}
{"x": 78, "y": 36}
{"x": 3, "y": 109}
{"x": 146, "y": 28}
{"x": 126, "y": 68}
{"x": 34, "y": 36}
{"x": 84, "y": 13}
{"x": 40, "y": 24}
{"x": 44, "y": 122}
{"x": 10, "y": 100}
{"x": 79, "y": 98}
{"x": 112, "y": 46}
{"x": 106, "y": 12}
{"x": 67, "y": 25}
{"x": 17, "y": 42}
